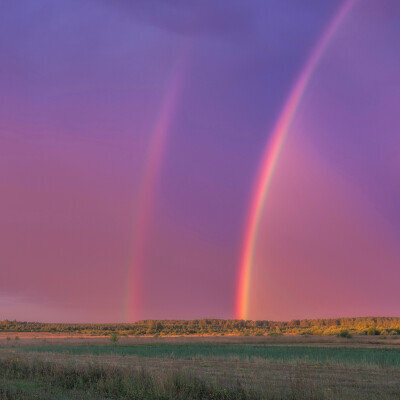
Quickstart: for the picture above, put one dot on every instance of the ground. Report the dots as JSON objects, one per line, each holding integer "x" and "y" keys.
{"x": 263, "y": 367}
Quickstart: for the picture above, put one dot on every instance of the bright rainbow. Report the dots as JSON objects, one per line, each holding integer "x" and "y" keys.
{"x": 146, "y": 192}
{"x": 270, "y": 159}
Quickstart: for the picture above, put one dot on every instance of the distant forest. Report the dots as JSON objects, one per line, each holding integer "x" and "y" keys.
{"x": 217, "y": 327}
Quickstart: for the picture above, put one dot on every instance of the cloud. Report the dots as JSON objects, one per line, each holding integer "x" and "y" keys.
{"x": 191, "y": 18}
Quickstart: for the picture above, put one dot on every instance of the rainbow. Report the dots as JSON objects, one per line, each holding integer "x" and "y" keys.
{"x": 270, "y": 159}
{"x": 147, "y": 187}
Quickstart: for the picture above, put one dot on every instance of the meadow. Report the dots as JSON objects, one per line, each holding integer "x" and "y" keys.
{"x": 43, "y": 366}
{"x": 315, "y": 354}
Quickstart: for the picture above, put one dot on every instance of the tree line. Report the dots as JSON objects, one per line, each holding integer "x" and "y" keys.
{"x": 333, "y": 326}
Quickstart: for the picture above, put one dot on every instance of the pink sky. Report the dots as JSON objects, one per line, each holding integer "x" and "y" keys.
{"x": 82, "y": 84}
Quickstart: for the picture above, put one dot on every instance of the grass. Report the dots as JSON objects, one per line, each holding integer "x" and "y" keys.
{"x": 284, "y": 368}
{"x": 32, "y": 390}
{"x": 107, "y": 382}
{"x": 349, "y": 355}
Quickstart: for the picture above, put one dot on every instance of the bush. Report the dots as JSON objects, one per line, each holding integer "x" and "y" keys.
{"x": 373, "y": 331}
{"x": 344, "y": 333}
{"x": 114, "y": 337}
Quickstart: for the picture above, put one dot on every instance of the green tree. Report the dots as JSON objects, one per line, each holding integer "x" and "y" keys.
{"x": 373, "y": 331}
{"x": 114, "y": 337}
{"x": 344, "y": 333}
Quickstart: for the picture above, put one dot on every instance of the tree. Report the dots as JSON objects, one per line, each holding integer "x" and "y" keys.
{"x": 114, "y": 337}
{"x": 373, "y": 331}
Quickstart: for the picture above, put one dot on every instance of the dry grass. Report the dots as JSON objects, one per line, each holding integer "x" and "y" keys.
{"x": 274, "y": 379}
{"x": 31, "y": 338}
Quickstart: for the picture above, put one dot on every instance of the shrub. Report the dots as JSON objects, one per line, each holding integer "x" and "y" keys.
{"x": 114, "y": 338}
{"x": 373, "y": 331}
{"x": 275, "y": 334}
{"x": 344, "y": 333}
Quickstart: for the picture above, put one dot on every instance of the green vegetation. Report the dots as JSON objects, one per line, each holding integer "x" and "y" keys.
{"x": 108, "y": 382}
{"x": 344, "y": 333}
{"x": 114, "y": 337}
{"x": 245, "y": 365}
{"x": 347, "y": 355}
{"x": 269, "y": 368}
{"x": 364, "y": 325}
{"x": 35, "y": 390}
{"x": 373, "y": 331}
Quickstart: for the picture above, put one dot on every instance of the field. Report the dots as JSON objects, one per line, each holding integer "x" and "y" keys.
{"x": 46, "y": 366}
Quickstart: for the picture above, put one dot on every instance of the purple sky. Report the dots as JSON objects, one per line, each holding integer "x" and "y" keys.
{"x": 82, "y": 86}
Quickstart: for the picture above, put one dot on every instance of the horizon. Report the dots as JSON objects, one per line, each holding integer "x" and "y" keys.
{"x": 204, "y": 319}
{"x": 185, "y": 159}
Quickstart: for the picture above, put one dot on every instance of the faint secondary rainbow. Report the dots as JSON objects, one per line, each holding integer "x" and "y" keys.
{"x": 270, "y": 159}
{"x": 147, "y": 188}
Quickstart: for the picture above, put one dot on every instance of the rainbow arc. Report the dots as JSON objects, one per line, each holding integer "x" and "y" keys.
{"x": 271, "y": 157}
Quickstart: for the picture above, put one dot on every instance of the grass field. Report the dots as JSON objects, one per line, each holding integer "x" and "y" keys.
{"x": 340, "y": 355}
{"x": 200, "y": 368}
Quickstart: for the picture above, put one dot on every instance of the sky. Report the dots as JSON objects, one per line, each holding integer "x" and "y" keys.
{"x": 132, "y": 134}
